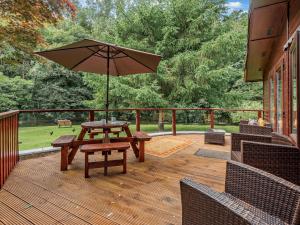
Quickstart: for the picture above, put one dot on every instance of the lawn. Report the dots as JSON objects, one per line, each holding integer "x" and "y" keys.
{"x": 42, "y": 136}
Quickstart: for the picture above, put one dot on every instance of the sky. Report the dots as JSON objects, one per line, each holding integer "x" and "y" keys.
{"x": 238, "y": 5}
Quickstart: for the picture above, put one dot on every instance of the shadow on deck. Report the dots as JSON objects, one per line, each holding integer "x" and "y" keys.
{"x": 38, "y": 193}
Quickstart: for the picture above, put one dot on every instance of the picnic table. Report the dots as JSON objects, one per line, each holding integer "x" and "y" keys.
{"x": 70, "y": 143}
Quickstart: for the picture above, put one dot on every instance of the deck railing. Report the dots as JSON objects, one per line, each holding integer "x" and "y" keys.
{"x": 9, "y": 149}
{"x": 91, "y": 113}
{"x": 9, "y": 125}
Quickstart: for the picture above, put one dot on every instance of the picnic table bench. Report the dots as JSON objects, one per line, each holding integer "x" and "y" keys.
{"x": 67, "y": 123}
{"x": 70, "y": 144}
{"x": 65, "y": 142}
{"x": 99, "y": 131}
{"x": 106, "y": 149}
{"x": 141, "y": 137}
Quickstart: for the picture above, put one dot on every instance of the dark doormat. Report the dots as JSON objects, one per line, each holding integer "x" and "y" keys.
{"x": 213, "y": 154}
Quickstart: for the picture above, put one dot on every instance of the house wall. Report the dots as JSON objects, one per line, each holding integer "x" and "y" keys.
{"x": 294, "y": 16}
{"x": 279, "y": 58}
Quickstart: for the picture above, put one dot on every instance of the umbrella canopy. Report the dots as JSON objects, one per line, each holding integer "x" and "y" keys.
{"x": 103, "y": 58}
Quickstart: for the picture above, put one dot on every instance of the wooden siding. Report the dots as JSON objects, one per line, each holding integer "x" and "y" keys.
{"x": 294, "y": 16}
{"x": 280, "y": 57}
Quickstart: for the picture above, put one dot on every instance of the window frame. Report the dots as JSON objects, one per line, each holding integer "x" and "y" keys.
{"x": 295, "y": 45}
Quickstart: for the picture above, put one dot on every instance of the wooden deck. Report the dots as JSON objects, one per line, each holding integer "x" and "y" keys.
{"x": 38, "y": 193}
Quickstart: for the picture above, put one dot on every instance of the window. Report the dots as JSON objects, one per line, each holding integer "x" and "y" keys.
{"x": 294, "y": 100}
{"x": 278, "y": 77}
{"x": 271, "y": 114}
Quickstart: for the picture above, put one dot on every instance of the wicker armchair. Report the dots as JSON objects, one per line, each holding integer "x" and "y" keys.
{"x": 280, "y": 160}
{"x": 254, "y": 129}
{"x": 251, "y": 196}
{"x": 244, "y": 121}
{"x": 236, "y": 139}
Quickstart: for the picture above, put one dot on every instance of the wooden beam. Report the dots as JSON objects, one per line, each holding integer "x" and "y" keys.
{"x": 212, "y": 119}
{"x": 174, "y": 122}
{"x": 138, "y": 120}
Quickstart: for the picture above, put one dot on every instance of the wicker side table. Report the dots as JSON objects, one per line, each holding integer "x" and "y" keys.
{"x": 214, "y": 136}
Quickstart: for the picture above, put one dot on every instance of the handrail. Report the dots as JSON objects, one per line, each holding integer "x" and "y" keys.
{"x": 8, "y": 114}
{"x": 91, "y": 112}
{"x": 133, "y": 109}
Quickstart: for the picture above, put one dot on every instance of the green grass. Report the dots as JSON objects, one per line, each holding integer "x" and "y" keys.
{"x": 40, "y": 136}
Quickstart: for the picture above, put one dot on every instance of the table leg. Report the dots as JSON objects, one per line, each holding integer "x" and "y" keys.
{"x": 64, "y": 158}
{"x": 91, "y": 136}
{"x": 133, "y": 144}
{"x": 75, "y": 149}
{"x": 105, "y": 163}
{"x": 86, "y": 165}
{"x": 125, "y": 161}
{"x": 106, "y": 135}
{"x": 142, "y": 151}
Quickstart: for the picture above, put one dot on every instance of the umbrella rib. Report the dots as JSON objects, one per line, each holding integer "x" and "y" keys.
{"x": 86, "y": 58}
{"x": 65, "y": 49}
{"x": 115, "y": 54}
{"x": 97, "y": 52}
{"x": 81, "y": 61}
{"x": 135, "y": 60}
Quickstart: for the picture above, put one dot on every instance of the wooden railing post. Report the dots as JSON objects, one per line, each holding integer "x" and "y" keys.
{"x": 161, "y": 126}
{"x": 174, "y": 122}
{"x": 259, "y": 114}
{"x": 91, "y": 115}
{"x": 138, "y": 120}
{"x": 212, "y": 119}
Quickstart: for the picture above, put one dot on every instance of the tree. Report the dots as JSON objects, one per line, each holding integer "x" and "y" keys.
{"x": 15, "y": 93}
{"x": 58, "y": 88}
{"x": 202, "y": 44}
{"x": 20, "y": 20}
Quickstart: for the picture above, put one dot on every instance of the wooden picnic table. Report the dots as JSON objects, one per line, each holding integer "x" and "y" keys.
{"x": 69, "y": 142}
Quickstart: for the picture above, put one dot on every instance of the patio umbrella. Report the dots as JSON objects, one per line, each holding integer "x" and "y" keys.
{"x": 103, "y": 58}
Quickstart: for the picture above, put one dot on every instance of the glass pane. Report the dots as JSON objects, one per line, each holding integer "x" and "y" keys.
{"x": 279, "y": 101}
{"x": 294, "y": 90}
{"x": 271, "y": 102}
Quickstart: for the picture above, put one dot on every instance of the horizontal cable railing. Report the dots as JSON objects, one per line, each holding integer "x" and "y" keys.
{"x": 210, "y": 112}
{"x": 9, "y": 149}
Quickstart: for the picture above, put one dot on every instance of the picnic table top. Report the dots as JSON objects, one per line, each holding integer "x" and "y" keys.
{"x": 103, "y": 124}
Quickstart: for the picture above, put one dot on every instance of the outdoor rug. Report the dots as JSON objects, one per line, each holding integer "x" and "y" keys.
{"x": 164, "y": 146}
{"x": 213, "y": 154}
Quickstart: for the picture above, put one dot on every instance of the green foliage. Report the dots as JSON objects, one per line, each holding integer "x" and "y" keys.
{"x": 20, "y": 20}
{"x": 56, "y": 87}
{"x": 202, "y": 45}
{"x": 15, "y": 93}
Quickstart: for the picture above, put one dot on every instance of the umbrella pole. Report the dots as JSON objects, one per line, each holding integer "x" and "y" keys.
{"x": 107, "y": 85}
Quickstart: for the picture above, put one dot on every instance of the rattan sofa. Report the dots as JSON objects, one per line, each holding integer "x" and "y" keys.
{"x": 236, "y": 139}
{"x": 251, "y": 196}
{"x": 280, "y": 160}
{"x": 274, "y": 154}
{"x": 254, "y": 129}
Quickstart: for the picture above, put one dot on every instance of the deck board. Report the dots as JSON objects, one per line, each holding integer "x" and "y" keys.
{"x": 37, "y": 192}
